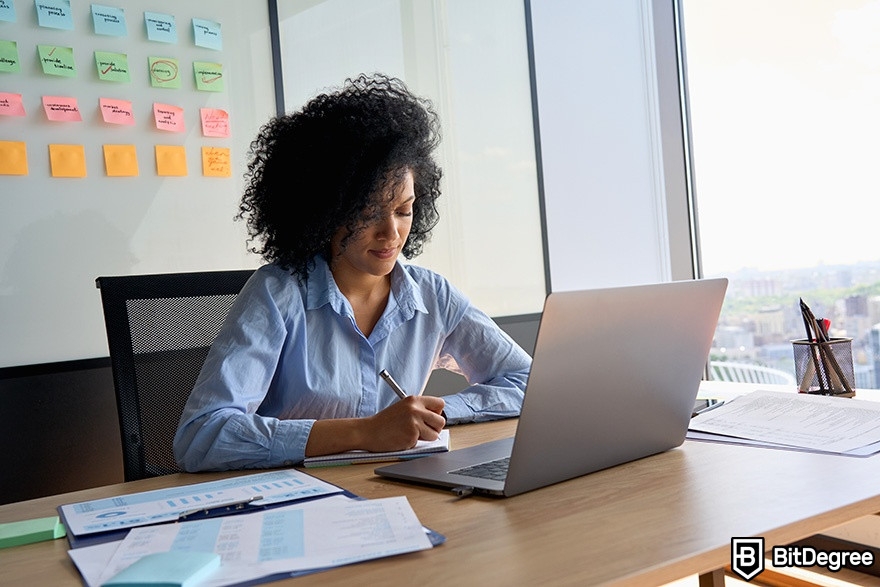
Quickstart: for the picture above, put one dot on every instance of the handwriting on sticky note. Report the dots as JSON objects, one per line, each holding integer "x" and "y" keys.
{"x": 116, "y": 111}
{"x": 209, "y": 76}
{"x": 160, "y": 27}
{"x": 206, "y": 33}
{"x": 112, "y": 67}
{"x": 164, "y": 72}
{"x": 109, "y": 20}
{"x": 170, "y": 160}
{"x": 168, "y": 117}
{"x": 54, "y": 14}
{"x": 57, "y": 60}
{"x": 215, "y": 122}
{"x": 61, "y": 109}
{"x": 216, "y": 162}
{"x": 67, "y": 160}
{"x": 13, "y": 158}
{"x": 9, "y": 60}
{"x": 11, "y": 104}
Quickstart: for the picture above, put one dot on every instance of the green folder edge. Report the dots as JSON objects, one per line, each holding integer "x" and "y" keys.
{"x": 30, "y": 531}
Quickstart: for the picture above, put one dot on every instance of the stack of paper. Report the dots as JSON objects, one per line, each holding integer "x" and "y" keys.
{"x": 814, "y": 423}
{"x": 422, "y": 448}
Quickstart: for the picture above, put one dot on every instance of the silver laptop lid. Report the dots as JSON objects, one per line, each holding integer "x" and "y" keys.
{"x": 614, "y": 378}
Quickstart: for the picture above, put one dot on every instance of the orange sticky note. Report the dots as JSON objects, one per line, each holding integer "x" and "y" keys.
{"x": 11, "y": 104}
{"x": 215, "y": 122}
{"x": 67, "y": 160}
{"x": 215, "y": 162}
{"x": 13, "y": 158}
{"x": 61, "y": 109}
{"x": 116, "y": 111}
{"x": 168, "y": 117}
{"x": 170, "y": 160}
{"x": 120, "y": 160}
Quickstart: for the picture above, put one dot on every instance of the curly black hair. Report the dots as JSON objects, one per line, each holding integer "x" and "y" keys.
{"x": 326, "y": 167}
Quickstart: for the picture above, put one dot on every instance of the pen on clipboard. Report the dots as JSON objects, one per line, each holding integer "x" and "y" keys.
{"x": 384, "y": 374}
{"x": 220, "y": 510}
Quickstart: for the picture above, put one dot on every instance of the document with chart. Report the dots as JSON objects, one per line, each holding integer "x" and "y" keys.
{"x": 273, "y": 543}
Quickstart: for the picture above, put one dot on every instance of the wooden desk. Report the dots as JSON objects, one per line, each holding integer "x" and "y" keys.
{"x": 644, "y": 523}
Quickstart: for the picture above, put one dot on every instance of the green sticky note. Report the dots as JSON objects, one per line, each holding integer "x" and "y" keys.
{"x": 209, "y": 76}
{"x": 112, "y": 67}
{"x": 28, "y": 531}
{"x": 57, "y": 60}
{"x": 9, "y": 61}
{"x": 164, "y": 72}
{"x": 167, "y": 569}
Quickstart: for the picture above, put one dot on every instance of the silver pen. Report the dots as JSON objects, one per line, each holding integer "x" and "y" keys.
{"x": 384, "y": 374}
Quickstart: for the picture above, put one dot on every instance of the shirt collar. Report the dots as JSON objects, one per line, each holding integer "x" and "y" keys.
{"x": 321, "y": 289}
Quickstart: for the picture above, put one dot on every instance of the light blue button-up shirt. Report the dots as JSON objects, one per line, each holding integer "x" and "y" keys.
{"x": 291, "y": 353}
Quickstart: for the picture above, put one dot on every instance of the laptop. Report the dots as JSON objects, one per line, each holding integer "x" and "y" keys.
{"x": 614, "y": 378}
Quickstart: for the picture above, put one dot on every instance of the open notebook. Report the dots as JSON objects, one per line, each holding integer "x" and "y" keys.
{"x": 422, "y": 448}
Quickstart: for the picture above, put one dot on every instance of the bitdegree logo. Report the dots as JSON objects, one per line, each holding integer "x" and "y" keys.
{"x": 833, "y": 560}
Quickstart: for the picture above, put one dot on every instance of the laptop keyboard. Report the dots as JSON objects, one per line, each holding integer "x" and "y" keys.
{"x": 495, "y": 470}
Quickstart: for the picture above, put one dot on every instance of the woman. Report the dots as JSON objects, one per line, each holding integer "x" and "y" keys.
{"x": 336, "y": 192}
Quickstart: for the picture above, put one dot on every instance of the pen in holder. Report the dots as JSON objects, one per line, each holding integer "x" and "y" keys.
{"x": 824, "y": 367}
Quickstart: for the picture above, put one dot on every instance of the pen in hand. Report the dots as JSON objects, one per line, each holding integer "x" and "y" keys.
{"x": 384, "y": 374}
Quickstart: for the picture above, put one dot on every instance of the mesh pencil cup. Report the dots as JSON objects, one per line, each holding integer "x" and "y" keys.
{"x": 824, "y": 368}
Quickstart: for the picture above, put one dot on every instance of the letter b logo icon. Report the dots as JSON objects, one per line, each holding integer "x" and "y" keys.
{"x": 747, "y": 557}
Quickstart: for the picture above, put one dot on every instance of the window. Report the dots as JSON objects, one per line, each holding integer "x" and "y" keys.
{"x": 783, "y": 101}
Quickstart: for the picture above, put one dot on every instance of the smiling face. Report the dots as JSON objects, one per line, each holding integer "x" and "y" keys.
{"x": 373, "y": 249}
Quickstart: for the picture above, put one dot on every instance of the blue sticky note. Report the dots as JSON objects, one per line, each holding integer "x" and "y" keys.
{"x": 7, "y": 10}
{"x": 160, "y": 27}
{"x": 54, "y": 14}
{"x": 207, "y": 34}
{"x": 109, "y": 20}
{"x": 167, "y": 569}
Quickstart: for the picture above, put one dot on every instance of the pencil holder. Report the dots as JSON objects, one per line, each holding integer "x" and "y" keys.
{"x": 824, "y": 368}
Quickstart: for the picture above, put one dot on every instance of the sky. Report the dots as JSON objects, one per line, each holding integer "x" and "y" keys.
{"x": 785, "y": 113}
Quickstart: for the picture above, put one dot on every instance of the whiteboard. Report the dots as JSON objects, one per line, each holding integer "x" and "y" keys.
{"x": 57, "y": 234}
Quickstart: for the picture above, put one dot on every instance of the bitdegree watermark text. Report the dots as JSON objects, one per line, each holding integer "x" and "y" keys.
{"x": 833, "y": 560}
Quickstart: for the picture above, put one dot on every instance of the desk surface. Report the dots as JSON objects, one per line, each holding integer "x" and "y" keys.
{"x": 646, "y": 522}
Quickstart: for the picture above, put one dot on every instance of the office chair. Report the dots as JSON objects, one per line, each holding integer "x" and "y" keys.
{"x": 159, "y": 330}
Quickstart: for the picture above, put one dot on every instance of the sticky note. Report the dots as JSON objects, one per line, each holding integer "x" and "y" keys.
{"x": 170, "y": 160}
{"x": 67, "y": 160}
{"x": 9, "y": 61}
{"x": 57, "y": 60}
{"x": 54, "y": 14}
{"x": 11, "y": 104}
{"x": 61, "y": 109}
{"x": 206, "y": 33}
{"x": 215, "y": 122}
{"x": 160, "y": 27}
{"x": 168, "y": 117}
{"x": 7, "y": 10}
{"x": 112, "y": 67}
{"x": 215, "y": 162}
{"x": 109, "y": 20}
{"x": 13, "y": 158}
{"x": 164, "y": 72}
{"x": 30, "y": 531}
{"x": 120, "y": 160}
{"x": 115, "y": 111}
{"x": 169, "y": 569}
{"x": 209, "y": 76}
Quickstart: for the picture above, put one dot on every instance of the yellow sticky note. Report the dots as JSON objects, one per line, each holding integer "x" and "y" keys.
{"x": 67, "y": 160}
{"x": 13, "y": 158}
{"x": 170, "y": 160}
{"x": 120, "y": 160}
{"x": 215, "y": 162}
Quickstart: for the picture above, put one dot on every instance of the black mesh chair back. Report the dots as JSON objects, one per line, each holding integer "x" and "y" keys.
{"x": 159, "y": 330}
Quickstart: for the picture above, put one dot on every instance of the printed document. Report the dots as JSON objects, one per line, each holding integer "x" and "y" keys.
{"x": 806, "y": 421}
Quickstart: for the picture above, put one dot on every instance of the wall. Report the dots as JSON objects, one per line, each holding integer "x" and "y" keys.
{"x": 58, "y": 234}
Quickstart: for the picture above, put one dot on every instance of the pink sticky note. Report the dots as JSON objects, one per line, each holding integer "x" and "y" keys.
{"x": 116, "y": 111}
{"x": 61, "y": 109}
{"x": 215, "y": 122}
{"x": 168, "y": 117}
{"x": 11, "y": 104}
